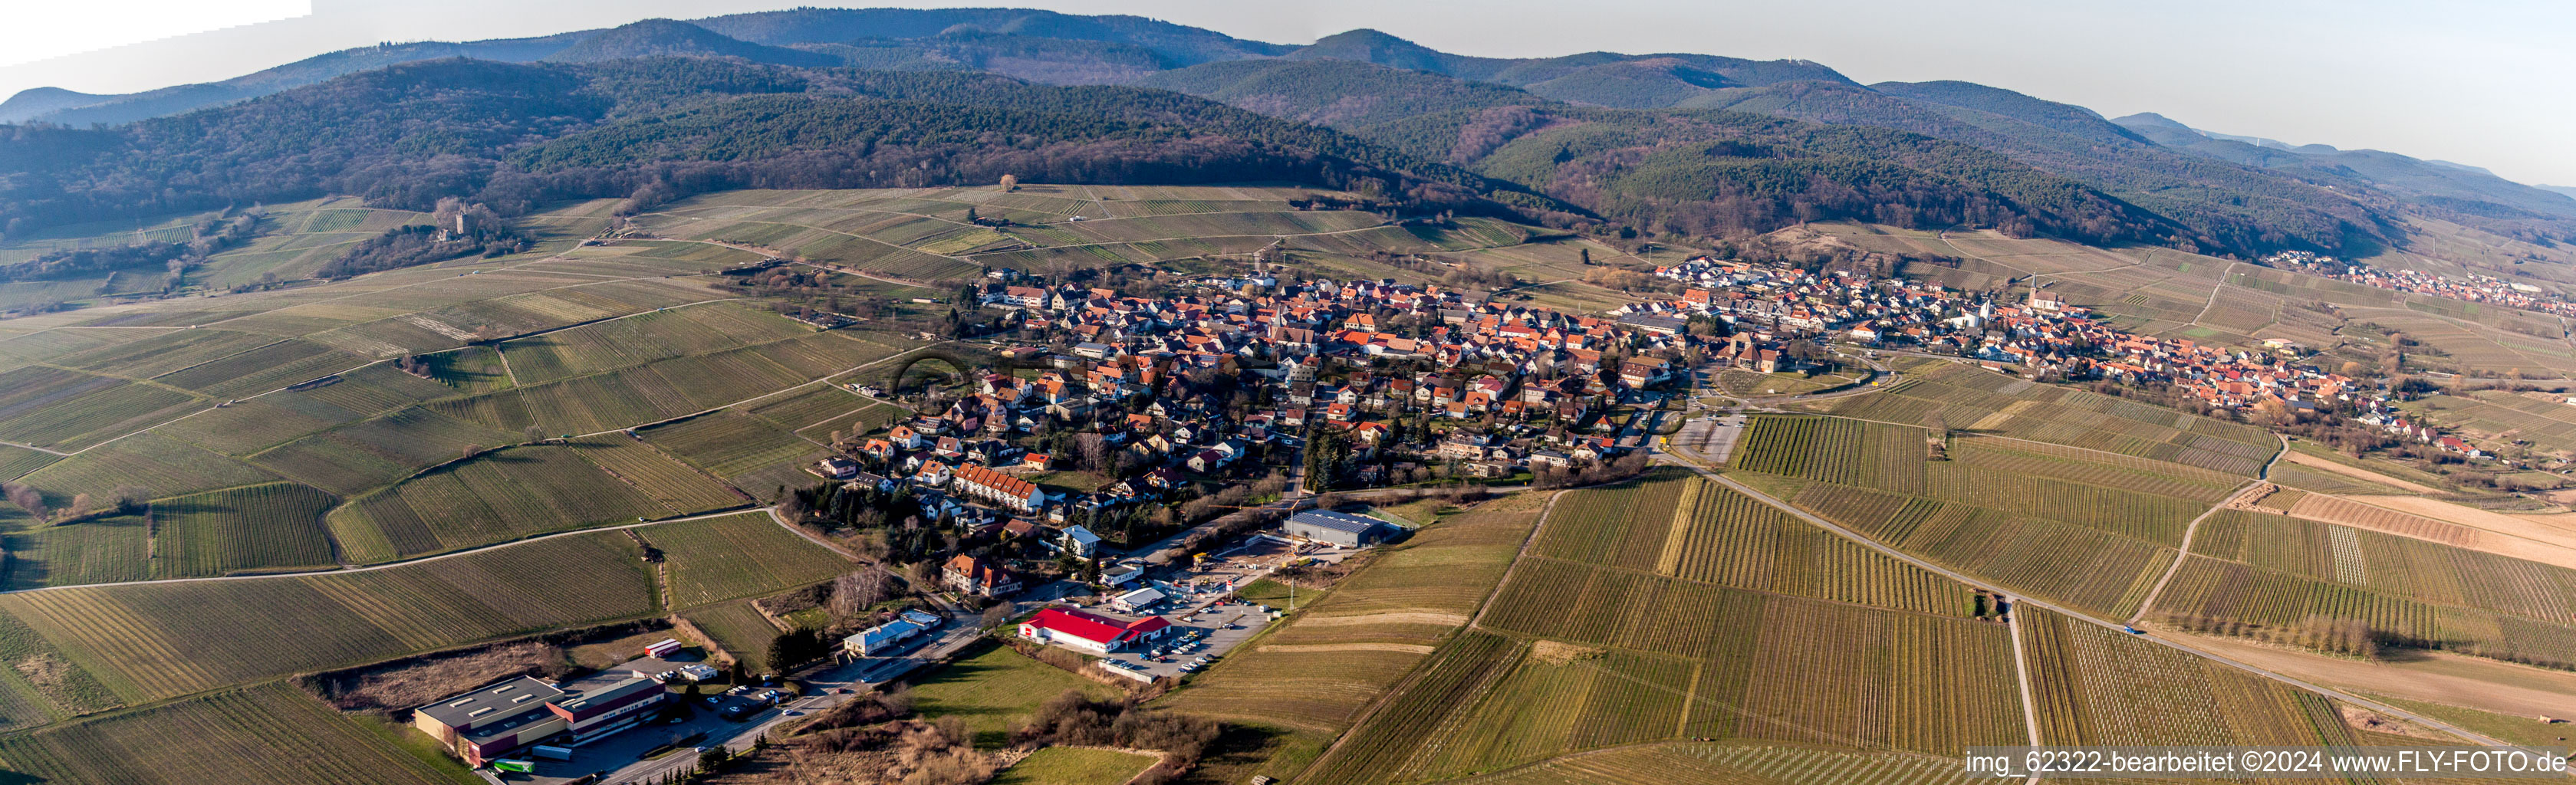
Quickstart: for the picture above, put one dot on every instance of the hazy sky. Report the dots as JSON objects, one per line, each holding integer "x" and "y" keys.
{"x": 2481, "y": 82}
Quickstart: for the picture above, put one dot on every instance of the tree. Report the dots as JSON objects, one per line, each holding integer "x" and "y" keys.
{"x": 998, "y": 615}
{"x": 854, "y": 593}
{"x": 971, "y": 217}
{"x": 28, "y": 499}
{"x": 1010, "y": 182}
{"x": 129, "y": 498}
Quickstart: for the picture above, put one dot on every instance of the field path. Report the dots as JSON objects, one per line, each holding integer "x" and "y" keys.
{"x": 46, "y": 451}
{"x": 2021, "y": 674}
{"x": 1955, "y": 575}
{"x": 2187, "y": 533}
{"x": 2213, "y": 294}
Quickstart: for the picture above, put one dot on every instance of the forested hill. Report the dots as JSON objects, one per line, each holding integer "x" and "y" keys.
{"x": 1622, "y": 135}
{"x": 513, "y": 135}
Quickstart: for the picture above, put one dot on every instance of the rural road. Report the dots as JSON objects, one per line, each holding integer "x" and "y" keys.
{"x": 2188, "y": 532}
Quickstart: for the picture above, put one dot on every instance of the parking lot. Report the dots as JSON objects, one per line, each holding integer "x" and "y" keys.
{"x": 1197, "y": 637}
{"x": 620, "y": 756}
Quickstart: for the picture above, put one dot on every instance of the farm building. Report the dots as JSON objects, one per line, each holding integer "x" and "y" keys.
{"x": 1091, "y": 632}
{"x": 1343, "y": 529}
{"x": 493, "y": 720}
{"x": 975, "y": 576}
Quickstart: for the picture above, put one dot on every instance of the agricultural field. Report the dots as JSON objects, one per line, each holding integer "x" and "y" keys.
{"x": 1965, "y": 398}
{"x": 1699, "y": 531}
{"x": 737, "y": 556}
{"x": 989, "y": 686}
{"x": 2089, "y": 568}
{"x": 100, "y": 550}
{"x": 1731, "y": 762}
{"x": 148, "y": 642}
{"x": 2096, "y": 685}
{"x": 1318, "y": 668}
{"x": 2301, "y": 579}
{"x": 740, "y": 629}
{"x": 1075, "y": 766}
{"x": 160, "y": 465}
{"x": 287, "y": 736}
{"x": 70, "y": 410}
{"x": 257, "y": 528}
{"x": 748, "y": 451}
{"x": 493, "y": 497}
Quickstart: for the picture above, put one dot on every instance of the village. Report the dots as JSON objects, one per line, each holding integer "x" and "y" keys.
{"x": 2476, "y": 288}
{"x": 2044, "y": 337}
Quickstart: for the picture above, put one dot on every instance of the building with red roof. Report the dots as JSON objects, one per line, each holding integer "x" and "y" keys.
{"x": 1092, "y": 632}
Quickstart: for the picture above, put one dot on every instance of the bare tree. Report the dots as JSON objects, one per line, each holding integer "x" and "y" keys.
{"x": 27, "y": 498}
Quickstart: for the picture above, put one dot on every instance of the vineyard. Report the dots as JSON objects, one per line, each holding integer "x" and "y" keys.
{"x": 1966, "y": 398}
{"x": 678, "y": 487}
{"x": 1415, "y": 595}
{"x": 284, "y": 735}
{"x": 153, "y": 641}
{"x": 2088, "y": 568}
{"x": 1736, "y": 762}
{"x": 1848, "y": 452}
{"x": 2096, "y": 685}
{"x": 643, "y": 338}
{"x": 740, "y": 629}
{"x": 261, "y": 527}
{"x": 738, "y": 556}
{"x": 159, "y": 464}
{"x": 496, "y": 497}
{"x": 102, "y": 550}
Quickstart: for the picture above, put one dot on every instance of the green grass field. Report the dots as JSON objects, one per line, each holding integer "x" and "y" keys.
{"x": 993, "y": 689}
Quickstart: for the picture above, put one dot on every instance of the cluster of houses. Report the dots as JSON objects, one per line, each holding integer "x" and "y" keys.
{"x": 2475, "y": 288}
{"x": 2043, "y": 334}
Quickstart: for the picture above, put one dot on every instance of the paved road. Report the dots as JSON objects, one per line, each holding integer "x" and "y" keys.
{"x": 860, "y": 676}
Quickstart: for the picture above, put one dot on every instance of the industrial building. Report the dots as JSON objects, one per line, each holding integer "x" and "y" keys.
{"x": 491, "y": 721}
{"x": 1343, "y": 529}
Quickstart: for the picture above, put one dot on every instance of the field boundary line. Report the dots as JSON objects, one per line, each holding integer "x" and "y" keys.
{"x": 2184, "y": 553}
{"x": 1909, "y": 558}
